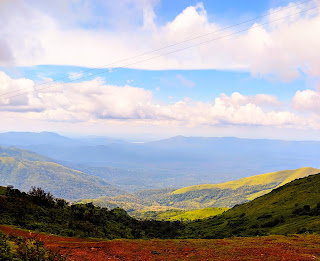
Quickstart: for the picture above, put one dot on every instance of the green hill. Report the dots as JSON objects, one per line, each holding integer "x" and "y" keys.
{"x": 235, "y": 192}
{"x": 289, "y": 209}
{"x": 22, "y": 154}
{"x": 203, "y": 196}
{"x": 178, "y": 214}
{"x": 61, "y": 181}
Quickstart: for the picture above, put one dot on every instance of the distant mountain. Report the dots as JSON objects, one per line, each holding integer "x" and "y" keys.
{"x": 205, "y": 196}
{"x": 293, "y": 208}
{"x": 32, "y": 138}
{"x": 175, "y": 162}
{"x": 184, "y": 161}
{"x": 50, "y": 138}
{"x": 59, "y": 180}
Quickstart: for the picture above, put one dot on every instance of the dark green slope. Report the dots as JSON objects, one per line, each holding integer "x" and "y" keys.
{"x": 292, "y": 208}
{"x": 40, "y": 211}
{"x": 59, "y": 180}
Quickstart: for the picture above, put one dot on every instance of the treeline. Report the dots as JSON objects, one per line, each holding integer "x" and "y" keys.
{"x": 289, "y": 209}
{"x": 39, "y": 211}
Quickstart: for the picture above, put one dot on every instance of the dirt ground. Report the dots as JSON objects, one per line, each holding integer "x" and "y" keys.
{"x": 302, "y": 247}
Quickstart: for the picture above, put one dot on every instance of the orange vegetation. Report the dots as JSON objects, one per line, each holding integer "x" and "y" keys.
{"x": 306, "y": 247}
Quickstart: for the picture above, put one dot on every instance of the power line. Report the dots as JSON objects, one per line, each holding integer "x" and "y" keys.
{"x": 155, "y": 50}
{"x": 154, "y": 57}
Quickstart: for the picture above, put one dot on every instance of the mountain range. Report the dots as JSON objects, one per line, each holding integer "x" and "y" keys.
{"x": 174, "y": 162}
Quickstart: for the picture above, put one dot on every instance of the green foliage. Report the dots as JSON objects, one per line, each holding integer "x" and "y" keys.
{"x": 25, "y": 249}
{"x": 290, "y": 209}
{"x": 3, "y": 190}
{"x": 40, "y": 211}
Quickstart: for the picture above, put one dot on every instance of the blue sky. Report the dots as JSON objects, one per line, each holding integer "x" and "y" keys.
{"x": 262, "y": 82}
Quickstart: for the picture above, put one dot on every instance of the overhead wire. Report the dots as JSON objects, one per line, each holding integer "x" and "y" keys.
{"x": 154, "y": 57}
{"x": 159, "y": 49}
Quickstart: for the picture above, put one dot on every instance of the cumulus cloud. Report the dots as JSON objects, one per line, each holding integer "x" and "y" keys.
{"x": 307, "y": 100}
{"x": 95, "y": 100}
{"x": 281, "y": 49}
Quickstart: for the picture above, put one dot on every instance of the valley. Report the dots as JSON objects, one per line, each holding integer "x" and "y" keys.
{"x": 102, "y": 202}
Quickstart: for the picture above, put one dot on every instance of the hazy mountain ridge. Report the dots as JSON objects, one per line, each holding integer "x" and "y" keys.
{"x": 46, "y": 138}
{"x": 178, "y": 161}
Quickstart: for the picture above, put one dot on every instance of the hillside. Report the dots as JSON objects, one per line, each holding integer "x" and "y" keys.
{"x": 59, "y": 180}
{"x": 235, "y": 192}
{"x": 290, "y": 209}
{"x": 40, "y": 211}
{"x": 22, "y": 154}
{"x": 204, "y": 196}
{"x": 178, "y": 214}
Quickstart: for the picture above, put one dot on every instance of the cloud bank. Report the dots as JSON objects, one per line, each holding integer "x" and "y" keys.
{"x": 281, "y": 49}
{"x": 95, "y": 101}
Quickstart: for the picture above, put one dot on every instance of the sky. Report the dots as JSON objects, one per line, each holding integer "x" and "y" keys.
{"x": 150, "y": 69}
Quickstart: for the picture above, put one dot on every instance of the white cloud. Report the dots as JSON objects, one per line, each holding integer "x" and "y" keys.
{"x": 185, "y": 82}
{"x": 307, "y": 100}
{"x": 281, "y": 49}
{"x": 96, "y": 101}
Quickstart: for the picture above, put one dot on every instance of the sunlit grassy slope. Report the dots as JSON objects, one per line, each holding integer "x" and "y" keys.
{"x": 177, "y": 214}
{"x": 279, "y": 177}
{"x": 291, "y": 208}
{"x": 204, "y": 196}
{"x": 274, "y": 179}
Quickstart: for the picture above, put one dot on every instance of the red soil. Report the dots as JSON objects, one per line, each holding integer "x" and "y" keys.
{"x": 259, "y": 248}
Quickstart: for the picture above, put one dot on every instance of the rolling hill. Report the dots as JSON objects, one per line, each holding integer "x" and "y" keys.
{"x": 59, "y": 180}
{"x": 22, "y": 154}
{"x": 293, "y": 208}
{"x": 225, "y": 194}
{"x": 235, "y": 192}
{"x": 178, "y": 214}
{"x": 290, "y": 209}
